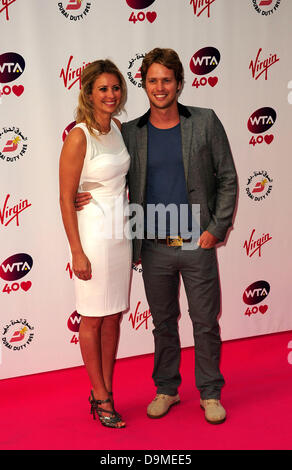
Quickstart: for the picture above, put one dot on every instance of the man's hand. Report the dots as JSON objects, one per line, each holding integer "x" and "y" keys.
{"x": 207, "y": 240}
{"x": 81, "y": 199}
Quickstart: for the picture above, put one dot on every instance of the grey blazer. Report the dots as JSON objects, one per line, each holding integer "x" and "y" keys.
{"x": 208, "y": 166}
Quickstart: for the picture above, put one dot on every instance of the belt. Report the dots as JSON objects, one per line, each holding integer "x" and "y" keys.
{"x": 171, "y": 241}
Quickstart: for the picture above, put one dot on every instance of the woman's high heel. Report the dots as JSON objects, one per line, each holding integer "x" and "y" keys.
{"x": 108, "y": 421}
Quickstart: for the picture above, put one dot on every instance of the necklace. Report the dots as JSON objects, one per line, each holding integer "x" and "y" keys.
{"x": 105, "y": 132}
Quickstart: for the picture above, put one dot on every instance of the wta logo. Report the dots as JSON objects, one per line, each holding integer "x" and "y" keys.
{"x": 254, "y": 294}
{"x": 139, "y": 4}
{"x": 73, "y": 325}
{"x": 12, "y": 66}
{"x": 203, "y": 62}
{"x": 141, "y": 16}
{"x": 74, "y": 322}
{"x": 260, "y": 121}
{"x": 16, "y": 266}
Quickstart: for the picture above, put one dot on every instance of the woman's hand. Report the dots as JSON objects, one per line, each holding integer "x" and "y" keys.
{"x": 81, "y": 266}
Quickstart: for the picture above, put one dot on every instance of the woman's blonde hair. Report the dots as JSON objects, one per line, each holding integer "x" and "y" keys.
{"x": 85, "y": 110}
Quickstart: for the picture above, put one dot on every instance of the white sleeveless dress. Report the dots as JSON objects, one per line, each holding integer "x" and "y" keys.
{"x": 102, "y": 225}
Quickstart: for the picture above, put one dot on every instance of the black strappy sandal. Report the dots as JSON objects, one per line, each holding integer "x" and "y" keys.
{"x": 112, "y": 400}
{"x": 108, "y": 421}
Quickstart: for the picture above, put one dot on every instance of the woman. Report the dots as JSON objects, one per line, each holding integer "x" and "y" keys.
{"x": 94, "y": 158}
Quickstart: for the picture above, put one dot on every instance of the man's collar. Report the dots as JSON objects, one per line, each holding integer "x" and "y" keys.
{"x": 183, "y": 111}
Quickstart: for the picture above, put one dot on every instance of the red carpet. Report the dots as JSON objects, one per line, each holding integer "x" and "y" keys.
{"x": 51, "y": 410}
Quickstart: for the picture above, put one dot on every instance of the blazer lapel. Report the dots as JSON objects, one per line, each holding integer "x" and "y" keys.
{"x": 141, "y": 142}
{"x": 187, "y": 135}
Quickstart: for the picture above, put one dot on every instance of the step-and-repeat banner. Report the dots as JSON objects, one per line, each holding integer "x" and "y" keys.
{"x": 237, "y": 60}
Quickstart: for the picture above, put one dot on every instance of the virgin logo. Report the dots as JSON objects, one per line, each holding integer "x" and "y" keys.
{"x": 201, "y": 5}
{"x": 70, "y": 270}
{"x": 5, "y": 5}
{"x": 139, "y": 318}
{"x": 259, "y": 66}
{"x": 72, "y": 75}
{"x": 10, "y": 213}
{"x": 253, "y": 246}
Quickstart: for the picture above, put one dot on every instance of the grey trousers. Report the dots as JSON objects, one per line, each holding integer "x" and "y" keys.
{"x": 162, "y": 266}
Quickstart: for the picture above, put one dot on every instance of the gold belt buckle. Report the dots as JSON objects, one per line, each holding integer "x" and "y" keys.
{"x": 174, "y": 241}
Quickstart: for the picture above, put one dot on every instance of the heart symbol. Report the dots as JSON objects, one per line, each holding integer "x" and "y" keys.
{"x": 25, "y": 285}
{"x": 212, "y": 81}
{"x": 151, "y": 16}
{"x": 18, "y": 89}
{"x": 263, "y": 308}
{"x": 269, "y": 138}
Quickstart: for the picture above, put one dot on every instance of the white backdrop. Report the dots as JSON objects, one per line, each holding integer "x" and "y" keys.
{"x": 243, "y": 75}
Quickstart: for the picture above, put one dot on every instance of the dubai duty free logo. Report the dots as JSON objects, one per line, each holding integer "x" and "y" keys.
{"x": 74, "y": 10}
{"x": 201, "y": 6}
{"x": 13, "y": 144}
{"x": 12, "y": 66}
{"x": 266, "y": 7}
{"x": 202, "y": 63}
{"x": 141, "y": 16}
{"x": 134, "y": 70}
{"x": 260, "y": 122}
{"x": 259, "y": 185}
{"x": 17, "y": 335}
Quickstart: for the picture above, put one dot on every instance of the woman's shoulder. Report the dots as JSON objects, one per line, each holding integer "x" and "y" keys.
{"x": 77, "y": 135}
{"x": 117, "y": 122}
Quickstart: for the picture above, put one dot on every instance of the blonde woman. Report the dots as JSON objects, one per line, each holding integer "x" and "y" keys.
{"x": 94, "y": 159}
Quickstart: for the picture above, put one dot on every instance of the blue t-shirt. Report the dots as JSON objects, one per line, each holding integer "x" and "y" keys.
{"x": 166, "y": 185}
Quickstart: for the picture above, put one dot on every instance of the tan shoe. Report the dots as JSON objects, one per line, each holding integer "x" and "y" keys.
{"x": 214, "y": 411}
{"x": 161, "y": 404}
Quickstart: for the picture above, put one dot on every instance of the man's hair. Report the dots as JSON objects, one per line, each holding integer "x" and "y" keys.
{"x": 85, "y": 110}
{"x": 167, "y": 57}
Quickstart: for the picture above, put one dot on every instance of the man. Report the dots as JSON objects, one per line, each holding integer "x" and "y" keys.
{"x": 180, "y": 155}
